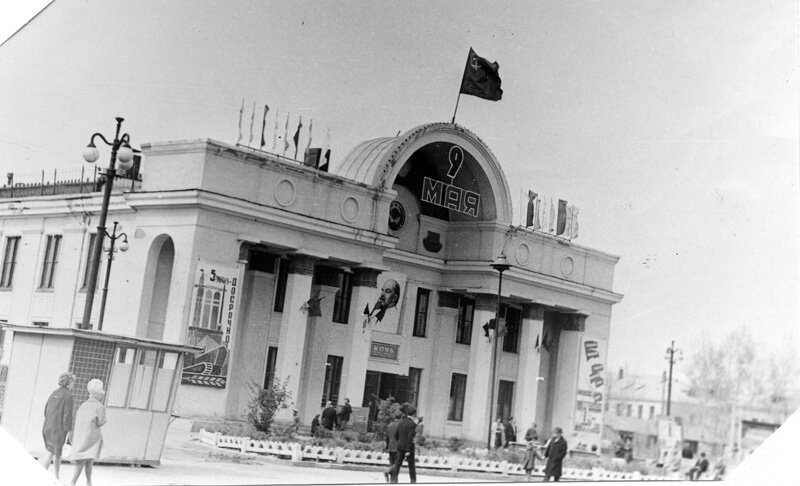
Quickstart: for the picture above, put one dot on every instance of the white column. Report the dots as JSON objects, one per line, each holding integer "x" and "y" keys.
{"x": 527, "y": 388}
{"x": 566, "y": 381}
{"x": 436, "y": 395}
{"x": 476, "y": 406}
{"x": 294, "y": 323}
{"x": 365, "y": 290}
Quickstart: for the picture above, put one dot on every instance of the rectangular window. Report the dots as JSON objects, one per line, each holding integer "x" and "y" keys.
{"x": 505, "y": 399}
{"x": 208, "y": 306}
{"x": 333, "y": 378}
{"x": 513, "y": 321}
{"x": 50, "y": 262}
{"x": 629, "y": 410}
{"x": 466, "y": 311}
{"x": 165, "y": 374}
{"x": 639, "y": 411}
{"x": 421, "y": 314}
{"x": 652, "y": 412}
{"x": 9, "y": 261}
{"x": 341, "y": 302}
{"x": 414, "y": 378}
{"x": 117, "y": 393}
{"x": 619, "y": 410}
{"x": 143, "y": 378}
{"x": 458, "y": 388}
{"x": 280, "y": 284}
{"x": 89, "y": 253}
{"x": 272, "y": 359}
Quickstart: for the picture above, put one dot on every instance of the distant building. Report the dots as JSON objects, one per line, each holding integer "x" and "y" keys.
{"x": 371, "y": 281}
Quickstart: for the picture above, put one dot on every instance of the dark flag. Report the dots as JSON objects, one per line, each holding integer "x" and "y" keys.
{"x": 562, "y": 217}
{"x": 296, "y": 137}
{"x": 263, "y": 126}
{"x": 481, "y": 78}
{"x": 323, "y": 166}
{"x": 531, "y": 208}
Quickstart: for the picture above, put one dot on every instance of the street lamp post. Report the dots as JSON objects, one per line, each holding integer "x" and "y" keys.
{"x": 501, "y": 265}
{"x": 120, "y": 151}
{"x": 113, "y": 237}
{"x": 671, "y": 352}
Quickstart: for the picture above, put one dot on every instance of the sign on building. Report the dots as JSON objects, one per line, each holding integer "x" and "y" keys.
{"x": 214, "y": 305}
{"x": 590, "y": 398}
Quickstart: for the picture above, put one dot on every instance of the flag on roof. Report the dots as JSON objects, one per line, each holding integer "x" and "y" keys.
{"x": 481, "y": 78}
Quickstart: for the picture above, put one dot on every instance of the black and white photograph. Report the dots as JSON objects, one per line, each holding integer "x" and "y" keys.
{"x": 265, "y": 242}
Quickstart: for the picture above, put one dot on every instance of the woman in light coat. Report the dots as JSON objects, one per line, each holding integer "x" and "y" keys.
{"x": 87, "y": 439}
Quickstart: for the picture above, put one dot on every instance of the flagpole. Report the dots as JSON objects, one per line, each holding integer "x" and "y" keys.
{"x": 454, "y": 111}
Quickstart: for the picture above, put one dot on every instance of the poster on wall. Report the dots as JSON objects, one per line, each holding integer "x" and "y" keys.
{"x": 382, "y": 311}
{"x": 591, "y": 396}
{"x": 215, "y": 301}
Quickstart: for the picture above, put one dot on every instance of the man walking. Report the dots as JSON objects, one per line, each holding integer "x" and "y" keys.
{"x": 391, "y": 446}
{"x": 329, "y": 419}
{"x": 406, "y": 431}
{"x": 555, "y": 452}
{"x": 344, "y": 415}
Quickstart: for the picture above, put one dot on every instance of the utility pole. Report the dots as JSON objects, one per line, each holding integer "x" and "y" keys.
{"x": 671, "y": 352}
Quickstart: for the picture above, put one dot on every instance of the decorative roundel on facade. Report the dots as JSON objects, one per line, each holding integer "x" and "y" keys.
{"x": 285, "y": 192}
{"x": 523, "y": 254}
{"x": 397, "y": 216}
{"x": 567, "y": 266}
{"x": 350, "y": 209}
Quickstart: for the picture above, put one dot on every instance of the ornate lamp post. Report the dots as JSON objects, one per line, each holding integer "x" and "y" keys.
{"x": 501, "y": 265}
{"x": 672, "y": 351}
{"x": 120, "y": 151}
{"x": 113, "y": 237}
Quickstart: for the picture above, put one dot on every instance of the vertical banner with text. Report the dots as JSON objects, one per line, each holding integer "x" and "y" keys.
{"x": 590, "y": 398}
{"x": 215, "y": 302}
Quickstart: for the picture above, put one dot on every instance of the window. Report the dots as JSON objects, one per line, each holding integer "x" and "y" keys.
{"x": 208, "y": 303}
{"x": 414, "y": 378}
{"x": 92, "y": 241}
{"x": 619, "y": 409}
{"x": 505, "y": 399}
{"x": 341, "y": 302}
{"x": 272, "y": 358}
{"x": 513, "y": 321}
{"x": 50, "y": 261}
{"x": 143, "y": 378}
{"x": 652, "y": 412}
{"x": 458, "y": 388}
{"x": 9, "y": 261}
{"x": 280, "y": 284}
{"x": 165, "y": 372}
{"x": 629, "y": 410}
{"x": 333, "y": 378}
{"x": 639, "y": 412}
{"x": 466, "y": 311}
{"x": 117, "y": 392}
{"x": 421, "y": 314}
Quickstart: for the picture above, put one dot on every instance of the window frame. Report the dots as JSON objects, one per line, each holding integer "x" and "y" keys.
{"x": 342, "y": 299}
{"x": 333, "y": 379}
{"x": 464, "y": 326}
{"x": 512, "y": 346}
{"x": 455, "y": 407}
{"x": 87, "y": 264}
{"x": 9, "y": 264}
{"x": 50, "y": 262}
{"x": 421, "y": 316}
{"x": 281, "y": 281}
{"x": 414, "y": 385}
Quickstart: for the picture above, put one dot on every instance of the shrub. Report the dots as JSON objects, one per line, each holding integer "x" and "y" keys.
{"x": 455, "y": 444}
{"x": 386, "y": 411}
{"x": 265, "y": 402}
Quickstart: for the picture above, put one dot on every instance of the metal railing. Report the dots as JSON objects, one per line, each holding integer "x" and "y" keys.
{"x": 45, "y": 183}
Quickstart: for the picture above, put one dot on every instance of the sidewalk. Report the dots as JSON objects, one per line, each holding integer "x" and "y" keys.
{"x": 186, "y": 461}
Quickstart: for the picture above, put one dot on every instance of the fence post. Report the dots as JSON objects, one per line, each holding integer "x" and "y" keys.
{"x": 244, "y": 444}
{"x": 297, "y": 452}
{"x": 504, "y": 468}
{"x": 453, "y": 463}
{"x": 338, "y": 453}
{"x": 216, "y": 439}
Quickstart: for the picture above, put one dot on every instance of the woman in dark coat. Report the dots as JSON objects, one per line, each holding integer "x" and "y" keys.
{"x": 57, "y": 421}
{"x": 555, "y": 452}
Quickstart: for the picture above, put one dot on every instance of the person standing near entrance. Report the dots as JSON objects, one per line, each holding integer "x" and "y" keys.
{"x": 511, "y": 432}
{"x": 57, "y": 421}
{"x": 555, "y": 452}
{"x": 532, "y": 434}
{"x": 391, "y": 446}
{"x": 406, "y": 431}
{"x": 329, "y": 419}
{"x": 497, "y": 429}
{"x": 344, "y": 416}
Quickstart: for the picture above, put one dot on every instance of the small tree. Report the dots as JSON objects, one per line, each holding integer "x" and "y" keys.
{"x": 264, "y": 402}
{"x": 386, "y": 412}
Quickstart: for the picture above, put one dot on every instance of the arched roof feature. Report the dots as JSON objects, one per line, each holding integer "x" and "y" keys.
{"x": 377, "y": 162}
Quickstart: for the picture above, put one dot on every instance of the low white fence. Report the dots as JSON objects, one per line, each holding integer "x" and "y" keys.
{"x": 340, "y": 455}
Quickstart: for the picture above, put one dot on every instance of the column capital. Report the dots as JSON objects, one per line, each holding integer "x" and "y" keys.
{"x": 365, "y": 277}
{"x": 486, "y": 302}
{"x": 572, "y": 322}
{"x": 533, "y": 311}
{"x": 448, "y": 299}
{"x": 301, "y": 265}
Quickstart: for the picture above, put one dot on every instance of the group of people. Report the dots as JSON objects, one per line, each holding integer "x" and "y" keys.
{"x": 83, "y": 436}
{"x": 330, "y": 418}
{"x": 400, "y": 434}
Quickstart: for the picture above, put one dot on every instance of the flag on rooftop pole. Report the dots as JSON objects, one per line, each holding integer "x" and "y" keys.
{"x": 326, "y": 151}
{"x": 241, "y": 113}
{"x": 275, "y": 132}
{"x": 552, "y": 218}
{"x": 252, "y": 120}
{"x": 481, "y": 78}
{"x": 286, "y": 134}
{"x": 531, "y": 209}
{"x": 308, "y": 145}
{"x": 561, "y": 225}
{"x": 537, "y": 220}
{"x": 296, "y": 137}
{"x": 574, "y": 228}
{"x": 263, "y": 126}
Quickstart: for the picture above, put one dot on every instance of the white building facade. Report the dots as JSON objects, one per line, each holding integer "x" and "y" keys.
{"x": 268, "y": 266}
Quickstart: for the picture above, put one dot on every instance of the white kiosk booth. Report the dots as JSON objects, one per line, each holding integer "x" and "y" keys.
{"x": 141, "y": 377}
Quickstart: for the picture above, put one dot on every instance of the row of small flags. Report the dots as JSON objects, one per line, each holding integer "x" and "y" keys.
{"x": 281, "y": 143}
{"x": 542, "y": 214}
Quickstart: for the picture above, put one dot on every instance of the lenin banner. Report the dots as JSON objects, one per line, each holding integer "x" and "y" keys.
{"x": 214, "y": 306}
{"x": 590, "y": 397}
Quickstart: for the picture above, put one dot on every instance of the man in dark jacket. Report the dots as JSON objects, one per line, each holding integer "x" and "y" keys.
{"x": 329, "y": 419}
{"x": 699, "y": 467}
{"x": 406, "y": 431}
{"x": 391, "y": 446}
{"x": 344, "y": 415}
{"x": 555, "y": 452}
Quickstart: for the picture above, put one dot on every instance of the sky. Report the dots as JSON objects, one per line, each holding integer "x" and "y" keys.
{"x": 673, "y": 126}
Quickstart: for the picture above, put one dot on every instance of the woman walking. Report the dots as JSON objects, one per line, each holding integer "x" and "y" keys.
{"x": 87, "y": 439}
{"x": 57, "y": 421}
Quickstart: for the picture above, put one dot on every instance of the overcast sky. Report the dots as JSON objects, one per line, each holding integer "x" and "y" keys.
{"x": 671, "y": 124}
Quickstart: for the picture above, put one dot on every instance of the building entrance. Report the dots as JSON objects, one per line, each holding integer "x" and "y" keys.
{"x": 381, "y": 386}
